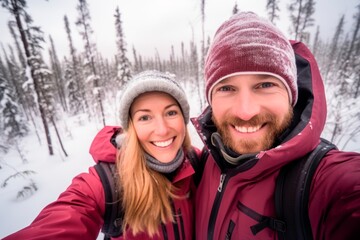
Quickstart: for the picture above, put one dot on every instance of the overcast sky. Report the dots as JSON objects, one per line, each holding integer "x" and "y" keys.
{"x": 158, "y": 24}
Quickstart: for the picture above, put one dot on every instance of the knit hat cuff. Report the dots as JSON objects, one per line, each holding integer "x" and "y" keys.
{"x": 151, "y": 81}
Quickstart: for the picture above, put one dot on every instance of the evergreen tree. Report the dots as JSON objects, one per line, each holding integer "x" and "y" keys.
{"x": 57, "y": 75}
{"x": 301, "y": 12}
{"x": 123, "y": 63}
{"x": 14, "y": 77}
{"x": 194, "y": 70}
{"x": 356, "y": 53}
{"x": 18, "y": 77}
{"x": 343, "y": 118}
{"x": 13, "y": 123}
{"x": 83, "y": 22}
{"x": 272, "y": 8}
{"x": 183, "y": 61}
{"x": 203, "y": 53}
{"x": 137, "y": 67}
{"x": 172, "y": 63}
{"x": 11, "y": 25}
{"x": 235, "y": 9}
{"x": 77, "y": 83}
{"x": 334, "y": 49}
{"x": 4, "y": 75}
{"x": 316, "y": 43}
{"x": 3, "y": 70}
{"x": 17, "y": 9}
{"x": 72, "y": 87}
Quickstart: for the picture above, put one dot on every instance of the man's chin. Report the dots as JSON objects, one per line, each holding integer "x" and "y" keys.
{"x": 245, "y": 148}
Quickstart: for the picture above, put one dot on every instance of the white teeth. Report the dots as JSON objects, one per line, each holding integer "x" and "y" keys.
{"x": 163, "y": 144}
{"x": 247, "y": 129}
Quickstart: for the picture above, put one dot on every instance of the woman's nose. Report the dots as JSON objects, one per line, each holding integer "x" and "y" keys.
{"x": 161, "y": 127}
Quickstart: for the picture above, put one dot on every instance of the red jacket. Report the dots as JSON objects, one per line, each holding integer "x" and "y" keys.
{"x": 224, "y": 192}
{"x": 78, "y": 212}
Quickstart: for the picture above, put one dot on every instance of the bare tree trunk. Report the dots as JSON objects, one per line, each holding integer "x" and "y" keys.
{"x": 58, "y": 136}
{"x": 36, "y": 84}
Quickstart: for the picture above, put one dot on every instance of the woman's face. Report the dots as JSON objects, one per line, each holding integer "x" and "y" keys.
{"x": 159, "y": 124}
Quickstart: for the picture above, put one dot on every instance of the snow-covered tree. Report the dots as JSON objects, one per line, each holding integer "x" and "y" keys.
{"x": 12, "y": 25}
{"x": 194, "y": 71}
{"x": 334, "y": 51}
{"x": 343, "y": 123}
{"x": 77, "y": 82}
{"x": 57, "y": 76}
{"x": 30, "y": 45}
{"x": 18, "y": 77}
{"x": 83, "y": 22}
{"x": 123, "y": 63}
{"x": 272, "y": 8}
{"x": 316, "y": 42}
{"x": 235, "y": 9}
{"x": 301, "y": 16}
{"x": 13, "y": 123}
{"x": 73, "y": 92}
{"x": 137, "y": 66}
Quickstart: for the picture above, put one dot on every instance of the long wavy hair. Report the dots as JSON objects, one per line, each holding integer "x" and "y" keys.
{"x": 146, "y": 194}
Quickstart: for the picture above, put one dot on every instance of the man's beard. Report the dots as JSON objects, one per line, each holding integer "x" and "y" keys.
{"x": 275, "y": 128}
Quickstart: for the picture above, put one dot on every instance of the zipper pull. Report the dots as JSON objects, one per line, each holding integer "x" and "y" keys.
{"x": 222, "y": 178}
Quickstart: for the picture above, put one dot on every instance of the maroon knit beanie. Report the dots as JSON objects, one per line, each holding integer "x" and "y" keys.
{"x": 249, "y": 44}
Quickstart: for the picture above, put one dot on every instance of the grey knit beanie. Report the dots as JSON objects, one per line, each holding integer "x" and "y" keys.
{"x": 149, "y": 81}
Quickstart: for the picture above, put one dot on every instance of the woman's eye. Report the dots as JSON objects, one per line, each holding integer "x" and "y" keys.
{"x": 144, "y": 118}
{"x": 172, "y": 113}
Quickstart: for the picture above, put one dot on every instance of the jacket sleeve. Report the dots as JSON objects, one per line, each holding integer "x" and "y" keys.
{"x": 336, "y": 197}
{"x": 76, "y": 214}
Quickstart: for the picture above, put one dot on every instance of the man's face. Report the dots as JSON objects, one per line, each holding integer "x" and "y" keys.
{"x": 250, "y": 111}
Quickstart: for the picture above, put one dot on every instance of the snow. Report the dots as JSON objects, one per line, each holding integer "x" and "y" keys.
{"x": 53, "y": 173}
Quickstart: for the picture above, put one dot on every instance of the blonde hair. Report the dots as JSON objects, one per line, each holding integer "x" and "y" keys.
{"x": 146, "y": 194}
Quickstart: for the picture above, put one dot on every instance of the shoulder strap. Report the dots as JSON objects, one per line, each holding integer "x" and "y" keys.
{"x": 292, "y": 193}
{"x": 198, "y": 163}
{"x": 113, "y": 211}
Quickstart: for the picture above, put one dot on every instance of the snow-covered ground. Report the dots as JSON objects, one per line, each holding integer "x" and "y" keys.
{"x": 52, "y": 173}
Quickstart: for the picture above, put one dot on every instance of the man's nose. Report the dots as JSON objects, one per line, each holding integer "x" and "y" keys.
{"x": 246, "y": 105}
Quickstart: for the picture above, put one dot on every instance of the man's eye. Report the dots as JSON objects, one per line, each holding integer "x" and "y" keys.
{"x": 266, "y": 85}
{"x": 224, "y": 89}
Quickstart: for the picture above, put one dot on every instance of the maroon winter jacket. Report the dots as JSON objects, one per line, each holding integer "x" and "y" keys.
{"x": 229, "y": 199}
{"x": 78, "y": 212}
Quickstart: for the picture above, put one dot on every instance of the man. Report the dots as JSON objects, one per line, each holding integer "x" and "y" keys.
{"x": 267, "y": 109}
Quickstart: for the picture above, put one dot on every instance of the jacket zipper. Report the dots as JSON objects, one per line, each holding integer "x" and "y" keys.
{"x": 175, "y": 224}
{"x": 181, "y": 220}
{"x": 222, "y": 178}
{"x": 215, "y": 208}
{"x": 163, "y": 227}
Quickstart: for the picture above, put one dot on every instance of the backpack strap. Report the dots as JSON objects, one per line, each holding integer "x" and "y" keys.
{"x": 198, "y": 163}
{"x": 293, "y": 190}
{"x": 113, "y": 211}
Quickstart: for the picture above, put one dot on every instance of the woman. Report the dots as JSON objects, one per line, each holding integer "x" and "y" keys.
{"x": 155, "y": 176}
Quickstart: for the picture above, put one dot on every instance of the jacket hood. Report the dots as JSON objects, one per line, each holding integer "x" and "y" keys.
{"x": 303, "y": 135}
{"x": 102, "y": 148}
